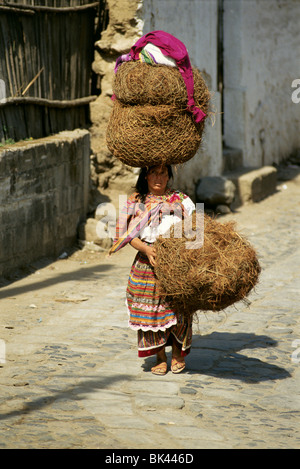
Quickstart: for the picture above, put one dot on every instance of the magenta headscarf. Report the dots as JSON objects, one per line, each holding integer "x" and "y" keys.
{"x": 171, "y": 47}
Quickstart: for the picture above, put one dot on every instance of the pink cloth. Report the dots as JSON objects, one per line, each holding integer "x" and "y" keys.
{"x": 171, "y": 47}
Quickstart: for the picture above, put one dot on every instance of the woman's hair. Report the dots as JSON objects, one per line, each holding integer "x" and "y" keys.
{"x": 141, "y": 186}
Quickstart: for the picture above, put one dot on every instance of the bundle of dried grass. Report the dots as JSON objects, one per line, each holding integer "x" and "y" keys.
{"x": 141, "y": 83}
{"x": 150, "y": 135}
{"x": 149, "y": 124}
{"x": 210, "y": 278}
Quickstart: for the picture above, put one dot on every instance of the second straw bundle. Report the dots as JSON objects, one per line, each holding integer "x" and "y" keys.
{"x": 212, "y": 277}
{"x": 149, "y": 123}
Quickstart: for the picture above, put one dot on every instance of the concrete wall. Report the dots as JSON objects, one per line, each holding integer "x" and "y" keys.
{"x": 195, "y": 23}
{"x": 44, "y": 188}
{"x": 261, "y": 60}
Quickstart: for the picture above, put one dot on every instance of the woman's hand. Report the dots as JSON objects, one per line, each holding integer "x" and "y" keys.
{"x": 151, "y": 253}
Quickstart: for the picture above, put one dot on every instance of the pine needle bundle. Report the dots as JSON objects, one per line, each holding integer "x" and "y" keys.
{"x": 212, "y": 277}
{"x": 141, "y": 83}
{"x": 149, "y": 123}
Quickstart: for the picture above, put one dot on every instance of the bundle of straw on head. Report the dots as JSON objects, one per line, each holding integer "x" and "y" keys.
{"x": 149, "y": 123}
{"x": 209, "y": 278}
{"x": 141, "y": 83}
{"x": 151, "y": 135}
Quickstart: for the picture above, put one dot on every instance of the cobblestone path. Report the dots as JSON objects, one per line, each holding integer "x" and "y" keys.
{"x": 72, "y": 378}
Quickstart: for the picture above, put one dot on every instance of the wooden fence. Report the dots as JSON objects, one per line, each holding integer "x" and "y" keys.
{"x": 46, "y": 53}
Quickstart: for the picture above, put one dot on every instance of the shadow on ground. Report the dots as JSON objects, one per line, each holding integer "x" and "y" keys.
{"x": 217, "y": 355}
{"x": 86, "y": 274}
{"x": 75, "y": 393}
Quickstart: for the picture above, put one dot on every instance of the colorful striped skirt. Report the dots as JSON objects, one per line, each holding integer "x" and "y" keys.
{"x": 156, "y": 322}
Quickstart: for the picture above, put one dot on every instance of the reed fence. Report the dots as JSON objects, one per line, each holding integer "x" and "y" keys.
{"x": 46, "y": 53}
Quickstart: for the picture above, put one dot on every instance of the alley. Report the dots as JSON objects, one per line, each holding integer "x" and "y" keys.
{"x": 70, "y": 376}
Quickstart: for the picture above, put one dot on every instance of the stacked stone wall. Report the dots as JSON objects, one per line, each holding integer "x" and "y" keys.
{"x": 44, "y": 190}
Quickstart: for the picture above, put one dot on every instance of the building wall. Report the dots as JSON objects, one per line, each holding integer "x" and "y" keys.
{"x": 44, "y": 189}
{"x": 261, "y": 60}
{"x": 248, "y": 51}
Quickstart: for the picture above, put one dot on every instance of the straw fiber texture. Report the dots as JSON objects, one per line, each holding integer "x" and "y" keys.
{"x": 141, "y": 83}
{"x": 152, "y": 135}
{"x": 210, "y": 278}
{"x": 149, "y": 124}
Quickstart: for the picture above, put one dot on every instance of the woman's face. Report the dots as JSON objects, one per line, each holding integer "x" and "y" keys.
{"x": 157, "y": 178}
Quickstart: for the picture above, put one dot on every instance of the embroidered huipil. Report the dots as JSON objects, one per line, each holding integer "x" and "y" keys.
{"x": 151, "y": 232}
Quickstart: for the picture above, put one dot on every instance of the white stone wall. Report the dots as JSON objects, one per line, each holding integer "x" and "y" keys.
{"x": 194, "y": 22}
{"x": 261, "y": 60}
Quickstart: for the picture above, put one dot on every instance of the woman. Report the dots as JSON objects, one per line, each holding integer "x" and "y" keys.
{"x": 149, "y": 213}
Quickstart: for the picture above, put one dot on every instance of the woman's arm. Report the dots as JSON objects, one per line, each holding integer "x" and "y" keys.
{"x": 149, "y": 251}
